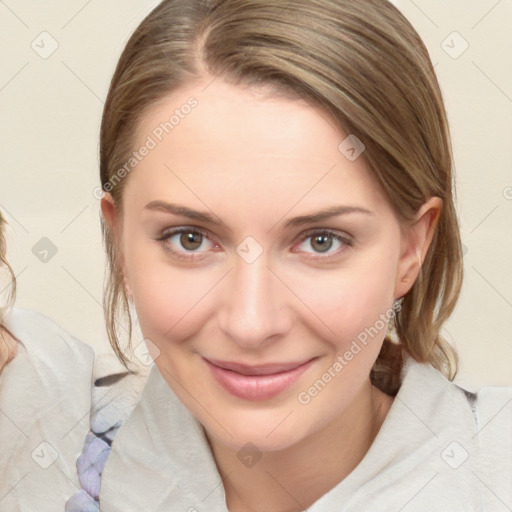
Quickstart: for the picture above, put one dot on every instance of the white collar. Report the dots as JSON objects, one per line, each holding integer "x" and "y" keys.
{"x": 160, "y": 460}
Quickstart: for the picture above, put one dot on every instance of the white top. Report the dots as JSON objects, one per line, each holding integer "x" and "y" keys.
{"x": 437, "y": 450}
{"x": 45, "y": 398}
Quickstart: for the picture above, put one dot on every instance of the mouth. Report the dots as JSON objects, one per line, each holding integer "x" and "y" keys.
{"x": 257, "y": 382}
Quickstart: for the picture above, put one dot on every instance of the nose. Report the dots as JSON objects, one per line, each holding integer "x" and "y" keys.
{"x": 253, "y": 310}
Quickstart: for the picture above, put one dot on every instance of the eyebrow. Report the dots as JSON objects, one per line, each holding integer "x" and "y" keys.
{"x": 183, "y": 211}
{"x": 326, "y": 214}
{"x": 208, "y": 218}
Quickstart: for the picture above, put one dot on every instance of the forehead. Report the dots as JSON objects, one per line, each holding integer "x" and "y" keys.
{"x": 217, "y": 138}
{"x": 241, "y": 122}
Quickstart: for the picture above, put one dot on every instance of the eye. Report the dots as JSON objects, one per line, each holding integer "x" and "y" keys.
{"x": 322, "y": 241}
{"x": 183, "y": 240}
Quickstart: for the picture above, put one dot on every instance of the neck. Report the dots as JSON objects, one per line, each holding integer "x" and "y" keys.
{"x": 292, "y": 479}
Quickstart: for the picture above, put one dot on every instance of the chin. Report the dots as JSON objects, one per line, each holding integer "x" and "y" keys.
{"x": 265, "y": 430}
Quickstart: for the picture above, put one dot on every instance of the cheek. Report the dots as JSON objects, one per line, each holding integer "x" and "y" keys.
{"x": 170, "y": 301}
{"x": 357, "y": 307}
{"x": 351, "y": 301}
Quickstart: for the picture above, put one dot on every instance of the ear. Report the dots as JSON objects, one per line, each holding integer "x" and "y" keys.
{"x": 109, "y": 212}
{"x": 112, "y": 219}
{"x": 416, "y": 241}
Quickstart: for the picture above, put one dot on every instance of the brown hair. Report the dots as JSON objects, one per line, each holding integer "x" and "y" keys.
{"x": 362, "y": 62}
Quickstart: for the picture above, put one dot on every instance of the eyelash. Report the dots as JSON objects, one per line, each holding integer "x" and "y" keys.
{"x": 164, "y": 240}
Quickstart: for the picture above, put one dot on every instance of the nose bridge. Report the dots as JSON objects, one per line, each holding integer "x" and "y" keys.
{"x": 253, "y": 308}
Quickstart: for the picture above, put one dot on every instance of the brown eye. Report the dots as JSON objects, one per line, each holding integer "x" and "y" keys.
{"x": 321, "y": 243}
{"x": 185, "y": 242}
{"x": 324, "y": 244}
{"x": 191, "y": 241}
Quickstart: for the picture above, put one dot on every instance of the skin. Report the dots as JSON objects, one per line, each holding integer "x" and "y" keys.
{"x": 256, "y": 162}
{"x": 8, "y": 348}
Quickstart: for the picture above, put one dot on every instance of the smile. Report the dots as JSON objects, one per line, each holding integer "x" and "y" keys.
{"x": 260, "y": 382}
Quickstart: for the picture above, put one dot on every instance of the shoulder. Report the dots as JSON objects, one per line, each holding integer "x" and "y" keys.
{"x": 45, "y": 391}
{"x": 49, "y": 362}
{"x": 51, "y": 367}
{"x": 492, "y": 410}
{"x": 445, "y": 402}
{"x": 47, "y": 342}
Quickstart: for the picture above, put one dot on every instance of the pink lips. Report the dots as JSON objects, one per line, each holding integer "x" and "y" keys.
{"x": 256, "y": 382}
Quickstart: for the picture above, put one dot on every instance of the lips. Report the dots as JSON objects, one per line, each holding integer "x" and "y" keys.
{"x": 256, "y": 382}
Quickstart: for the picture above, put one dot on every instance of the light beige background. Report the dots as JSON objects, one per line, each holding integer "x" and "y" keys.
{"x": 51, "y": 111}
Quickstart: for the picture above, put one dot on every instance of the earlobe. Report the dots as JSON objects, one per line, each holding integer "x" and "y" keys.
{"x": 415, "y": 245}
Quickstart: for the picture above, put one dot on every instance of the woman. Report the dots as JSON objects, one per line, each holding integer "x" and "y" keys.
{"x": 279, "y": 209}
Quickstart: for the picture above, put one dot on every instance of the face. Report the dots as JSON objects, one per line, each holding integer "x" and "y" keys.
{"x": 259, "y": 258}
